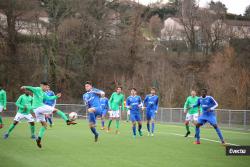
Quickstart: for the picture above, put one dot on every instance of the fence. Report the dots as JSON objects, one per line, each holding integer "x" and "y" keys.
{"x": 233, "y": 119}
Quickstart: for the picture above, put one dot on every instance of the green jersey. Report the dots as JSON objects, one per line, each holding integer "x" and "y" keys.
{"x": 3, "y": 99}
{"x": 116, "y": 100}
{"x": 189, "y": 103}
{"x": 38, "y": 96}
{"x": 24, "y": 104}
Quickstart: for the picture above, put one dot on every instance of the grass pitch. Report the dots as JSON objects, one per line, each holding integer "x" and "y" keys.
{"x": 73, "y": 146}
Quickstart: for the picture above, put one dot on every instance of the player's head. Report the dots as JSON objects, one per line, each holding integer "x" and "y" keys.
{"x": 193, "y": 93}
{"x": 103, "y": 95}
{"x": 26, "y": 92}
{"x": 44, "y": 85}
{"x": 119, "y": 89}
{"x": 88, "y": 85}
{"x": 203, "y": 92}
{"x": 133, "y": 91}
{"x": 48, "y": 87}
{"x": 153, "y": 90}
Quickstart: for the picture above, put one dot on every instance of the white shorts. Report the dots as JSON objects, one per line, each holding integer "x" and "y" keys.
{"x": 114, "y": 114}
{"x": 192, "y": 117}
{"x": 41, "y": 111}
{"x": 128, "y": 112}
{"x": 20, "y": 116}
{"x": 1, "y": 108}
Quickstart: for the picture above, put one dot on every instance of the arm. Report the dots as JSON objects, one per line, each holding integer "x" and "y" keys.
{"x": 215, "y": 104}
{"x": 157, "y": 104}
{"x": 197, "y": 104}
{"x": 97, "y": 91}
{"x": 4, "y": 101}
{"x": 186, "y": 105}
{"x": 122, "y": 101}
{"x": 30, "y": 88}
{"x": 128, "y": 103}
{"x": 46, "y": 97}
{"x": 111, "y": 99}
{"x": 145, "y": 101}
{"x": 18, "y": 103}
{"x": 140, "y": 103}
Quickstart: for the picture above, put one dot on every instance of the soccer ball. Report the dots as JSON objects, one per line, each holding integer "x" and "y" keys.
{"x": 73, "y": 116}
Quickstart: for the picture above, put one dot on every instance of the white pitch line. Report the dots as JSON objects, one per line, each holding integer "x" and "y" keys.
{"x": 176, "y": 134}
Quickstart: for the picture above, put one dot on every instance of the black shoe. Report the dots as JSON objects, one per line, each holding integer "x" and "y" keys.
{"x": 96, "y": 138}
{"x": 188, "y": 133}
{"x": 38, "y": 142}
{"x": 195, "y": 136}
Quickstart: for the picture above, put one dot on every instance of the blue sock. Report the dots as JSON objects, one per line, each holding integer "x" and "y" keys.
{"x": 197, "y": 133}
{"x": 139, "y": 127}
{"x": 134, "y": 130}
{"x": 153, "y": 127}
{"x": 94, "y": 131}
{"x": 102, "y": 123}
{"x": 50, "y": 121}
{"x": 148, "y": 127}
{"x": 219, "y": 134}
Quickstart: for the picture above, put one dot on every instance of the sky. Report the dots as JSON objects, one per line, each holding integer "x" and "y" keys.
{"x": 233, "y": 6}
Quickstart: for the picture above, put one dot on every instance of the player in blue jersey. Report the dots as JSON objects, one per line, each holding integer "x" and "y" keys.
{"x": 52, "y": 103}
{"x": 151, "y": 104}
{"x": 105, "y": 107}
{"x": 92, "y": 100}
{"x": 134, "y": 104}
{"x": 208, "y": 105}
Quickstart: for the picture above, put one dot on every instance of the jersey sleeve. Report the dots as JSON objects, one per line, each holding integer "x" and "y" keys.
{"x": 111, "y": 99}
{"x": 157, "y": 103}
{"x": 145, "y": 102}
{"x": 122, "y": 101}
{"x": 197, "y": 104}
{"x": 46, "y": 97}
{"x": 31, "y": 88}
{"x": 4, "y": 100}
{"x": 18, "y": 103}
{"x": 186, "y": 104}
{"x": 128, "y": 103}
{"x": 213, "y": 103}
{"x": 140, "y": 102}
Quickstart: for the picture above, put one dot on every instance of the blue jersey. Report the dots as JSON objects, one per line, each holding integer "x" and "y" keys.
{"x": 92, "y": 98}
{"x": 151, "y": 103}
{"x": 207, "y": 103}
{"x": 134, "y": 103}
{"x": 50, "y": 102}
{"x": 104, "y": 103}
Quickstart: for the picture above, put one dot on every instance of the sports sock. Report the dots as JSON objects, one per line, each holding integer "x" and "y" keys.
{"x": 62, "y": 115}
{"x": 103, "y": 123}
{"x": 50, "y": 121}
{"x": 219, "y": 134}
{"x": 1, "y": 120}
{"x": 134, "y": 130}
{"x": 110, "y": 121}
{"x": 148, "y": 127}
{"x": 32, "y": 129}
{"x": 12, "y": 126}
{"x": 153, "y": 127}
{"x": 93, "y": 129}
{"x": 187, "y": 128}
{"x": 41, "y": 132}
{"x": 117, "y": 124}
{"x": 197, "y": 133}
{"x": 139, "y": 127}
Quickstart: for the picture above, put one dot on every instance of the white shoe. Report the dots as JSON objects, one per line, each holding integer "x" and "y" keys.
{"x": 152, "y": 134}
{"x": 149, "y": 134}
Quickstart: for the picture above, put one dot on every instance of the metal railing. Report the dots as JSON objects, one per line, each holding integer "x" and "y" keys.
{"x": 233, "y": 119}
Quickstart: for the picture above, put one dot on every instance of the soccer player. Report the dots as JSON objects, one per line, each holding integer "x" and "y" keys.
{"x": 105, "y": 107}
{"x": 40, "y": 109}
{"x": 3, "y": 103}
{"x": 116, "y": 104}
{"x": 192, "y": 114}
{"x": 52, "y": 103}
{"x": 24, "y": 104}
{"x": 92, "y": 100}
{"x": 208, "y": 105}
{"x": 151, "y": 104}
{"x": 134, "y": 104}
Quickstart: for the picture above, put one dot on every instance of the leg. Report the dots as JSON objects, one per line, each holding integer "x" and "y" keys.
{"x": 139, "y": 128}
{"x": 134, "y": 128}
{"x": 217, "y": 129}
{"x": 103, "y": 121}
{"x": 41, "y": 133}
{"x": 187, "y": 128}
{"x": 1, "y": 120}
{"x": 63, "y": 116}
{"x": 92, "y": 122}
{"x": 197, "y": 133}
{"x": 117, "y": 121}
{"x": 111, "y": 113}
{"x": 32, "y": 129}
{"x": 12, "y": 126}
{"x": 148, "y": 125}
{"x": 153, "y": 126}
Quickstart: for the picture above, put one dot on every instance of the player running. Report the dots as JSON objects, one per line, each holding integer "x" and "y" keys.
{"x": 151, "y": 104}
{"x": 3, "y": 103}
{"x": 192, "y": 114}
{"x": 52, "y": 103}
{"x": 24, "y": 105}
{"x": 134, "y": 104}
{"x": 116, "y": 104}
{"x": 92, "y": 100}
{"x": 40, "y": 109}
{"x": 208, "y": 105}
{"x": 105, "y": 107}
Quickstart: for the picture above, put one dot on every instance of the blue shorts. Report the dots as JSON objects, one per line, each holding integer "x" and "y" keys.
{"x": 150, "y": 115}
{"x": 207, "y": 118}
{"x": 135, "y": 117}
{"x": 104, "y": 112}
{"x": 92, "y": 116}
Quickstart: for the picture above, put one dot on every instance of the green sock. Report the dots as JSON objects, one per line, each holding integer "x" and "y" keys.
{"x": 1, "y": 121}
{"x": 41, "y": 132}
{"x": 110, "y": 121}
{"x": 187, "y": 128}
{"x": 62, "y": 115}
{"x": 117, "y": 124}
{"x": 12, "y": 126}
{"x": 32, "y": 129}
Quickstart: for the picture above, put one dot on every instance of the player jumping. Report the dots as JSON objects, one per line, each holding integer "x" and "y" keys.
{"x": 24, "y": 104}
{"x": 92, "y": 100}
{"x": 151, "y": 104}
{"x": 105, "y": 107}
{"x": 3, "y": 103}
{"x": 40, "y": 109}
{"x": 208, "y": 105}
{"x": 134, "y": 104}
{"x": 192, "y": 114}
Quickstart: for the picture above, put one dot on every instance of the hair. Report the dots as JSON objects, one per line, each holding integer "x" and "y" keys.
{"x": 44, "y": 83}
{"x": 134, "y": 89}
{"x": 88, "y": 82}
{"x": 153, "y": 88}
{"x": 204, "y": 89}
{"x": 119, "y": 87}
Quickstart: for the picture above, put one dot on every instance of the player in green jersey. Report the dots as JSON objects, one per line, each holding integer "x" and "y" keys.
{"x": 192, "y": 114}
{"x": 3, "y": 103}
{"x": 24, "y": 107}
{"x": 40, "y": 109}
{"x": 116, "y": 104}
